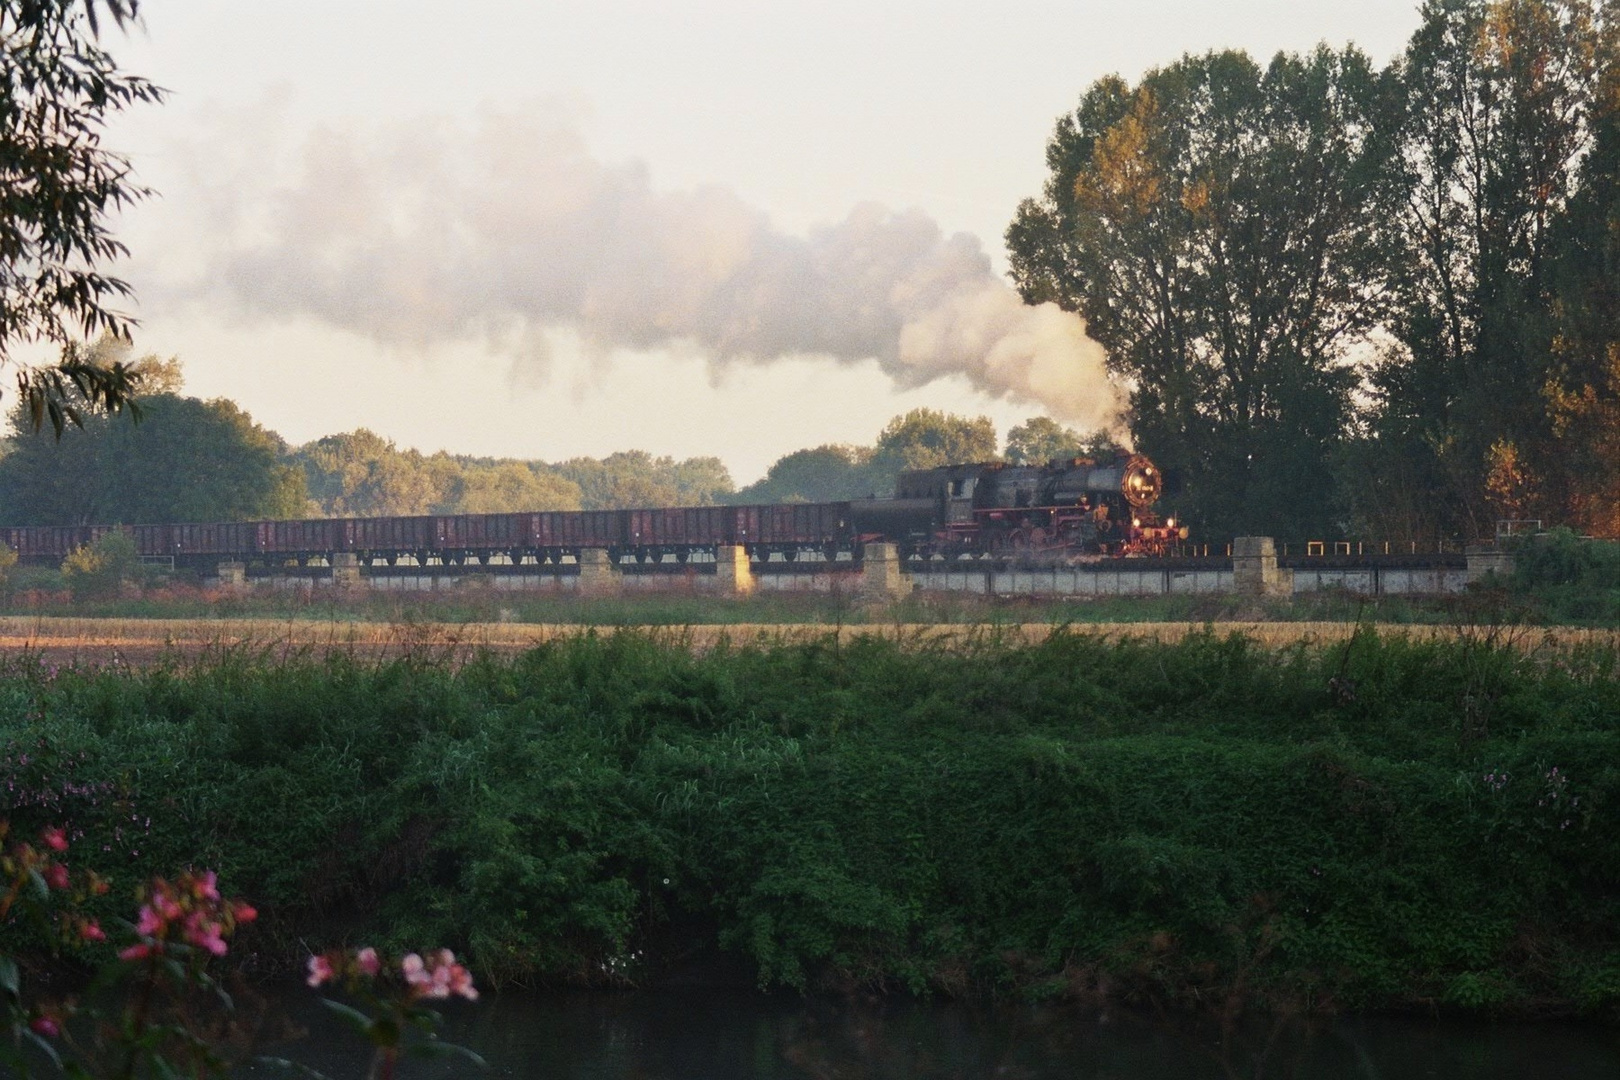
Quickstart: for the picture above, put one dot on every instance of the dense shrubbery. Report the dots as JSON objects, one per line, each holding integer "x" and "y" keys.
{"x": 1088, "y": 817}
{"x": 1570, "y": 578}
{"x": 99, "y": 571}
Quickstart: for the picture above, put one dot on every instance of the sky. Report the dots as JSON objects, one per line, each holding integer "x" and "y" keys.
{"x": 545, "y": 229}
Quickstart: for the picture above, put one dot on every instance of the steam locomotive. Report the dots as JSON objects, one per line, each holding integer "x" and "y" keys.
{"x": 1042, "y": 513}
{"x": 1067, "y": 510}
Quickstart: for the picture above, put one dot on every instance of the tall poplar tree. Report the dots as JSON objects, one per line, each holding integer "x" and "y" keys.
{"x": 1216, "y": 226}
{"x": 1583, "y": 384}
{"x": 1497, "y": 98}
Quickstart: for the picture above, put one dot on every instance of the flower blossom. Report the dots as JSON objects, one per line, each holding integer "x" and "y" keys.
{"x": 54, "y": 838}
{"x": 191, "y": 909}
{"x": 437, "y": 977}
{"x": 320, "y": 971}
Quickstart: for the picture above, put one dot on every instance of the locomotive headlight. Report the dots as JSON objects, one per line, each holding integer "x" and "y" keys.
{"x": 1136, "y": 522}
{"x": 1170, "y": 524}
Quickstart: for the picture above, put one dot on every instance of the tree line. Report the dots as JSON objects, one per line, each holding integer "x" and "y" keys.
{"x": 193, "y": 460}
{"x": 1348, "y": 299}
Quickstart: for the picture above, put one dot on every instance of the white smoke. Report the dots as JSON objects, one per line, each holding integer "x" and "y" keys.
{"x": 421, "y": 235}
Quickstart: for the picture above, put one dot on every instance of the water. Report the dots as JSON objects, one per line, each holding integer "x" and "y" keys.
{"x": 719, "y": 1036}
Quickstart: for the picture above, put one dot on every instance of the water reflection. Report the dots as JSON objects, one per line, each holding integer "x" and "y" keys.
{"x": 717, "y": 1036}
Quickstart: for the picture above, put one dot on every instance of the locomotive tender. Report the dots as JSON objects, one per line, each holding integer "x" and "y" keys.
{"x": 1064, "y": 510}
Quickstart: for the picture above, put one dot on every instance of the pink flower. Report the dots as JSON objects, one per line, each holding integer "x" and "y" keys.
{"x": 54, "y": 838}
{"x": 44, "y": 1025}
{"x": 203, "y": 932}
{"x": 56, "y": 876}
{"x": 243, "y": 912}
{"x": 461, "y": 983}
{"x": 438, "y": 977}
{"x": 149, "y": 923}
{"x": 91, "y": 931}
{"x": 139, "y": 952}
{"x": 207, "y": 886}
{"x": 416, "y": 974}
{"x": 320, "y": 970}
{"x": 366, "y": 960}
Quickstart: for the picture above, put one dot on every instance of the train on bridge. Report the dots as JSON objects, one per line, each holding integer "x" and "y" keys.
{"x": 1063, "y": 511}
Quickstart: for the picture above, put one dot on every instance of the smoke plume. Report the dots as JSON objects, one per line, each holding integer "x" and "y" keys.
{"x": 434, "y": 233}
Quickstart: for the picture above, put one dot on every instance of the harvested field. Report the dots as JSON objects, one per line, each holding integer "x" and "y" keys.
{"x": 145, "y": 641}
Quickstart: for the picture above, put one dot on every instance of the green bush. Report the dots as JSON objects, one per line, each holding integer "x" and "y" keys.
{"x": 1560, "y": 557}
{"x": 100, "y": 569}
{"x": 1182, "y": 822}
{"x": 1571, "y": 579}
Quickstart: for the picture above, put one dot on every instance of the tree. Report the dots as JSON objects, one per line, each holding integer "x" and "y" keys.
{"x": 1497, "y": 100}
{"x": 634, "y": 478}
{"x": 823, "y": 474}
{"x": 1041, "y": 439}
{"x": 58, "y": 189}
{"x": 361, "y": 474}
{"x": 926, "y": 438}
{"x": 99, "y": 570}
{"x": 1216, "y": 225}
{"x": 702, "y": 481}
{"x": 188, "y": 460}
{"x": 508, "y": 487}
{"x": 1582, "y": 469}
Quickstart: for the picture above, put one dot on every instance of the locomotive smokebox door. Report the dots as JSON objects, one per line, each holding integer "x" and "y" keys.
{"x": 1142, "y": 482}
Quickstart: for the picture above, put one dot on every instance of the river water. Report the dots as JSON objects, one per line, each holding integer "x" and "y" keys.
{"x": 725, "y": 1036}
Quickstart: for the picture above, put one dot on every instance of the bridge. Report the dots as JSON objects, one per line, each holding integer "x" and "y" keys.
{"x": 1250, "y": 566}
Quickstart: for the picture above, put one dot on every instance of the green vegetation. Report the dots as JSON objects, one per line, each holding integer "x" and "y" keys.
{"x": 100, "y": 570}
{"x": 1379, "y": 823}
{"x": 636, "y": 478}
{"x": 1568, "y": 578}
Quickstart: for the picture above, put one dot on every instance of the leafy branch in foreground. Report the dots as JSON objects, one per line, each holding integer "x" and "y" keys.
{"x": 59, "y": 185}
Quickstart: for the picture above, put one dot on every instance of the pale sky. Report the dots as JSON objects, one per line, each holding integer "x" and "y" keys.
{"x": 544, "y": 229}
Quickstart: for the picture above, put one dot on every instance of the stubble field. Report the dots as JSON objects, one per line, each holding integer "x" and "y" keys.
{"x": 141, "y": 642}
